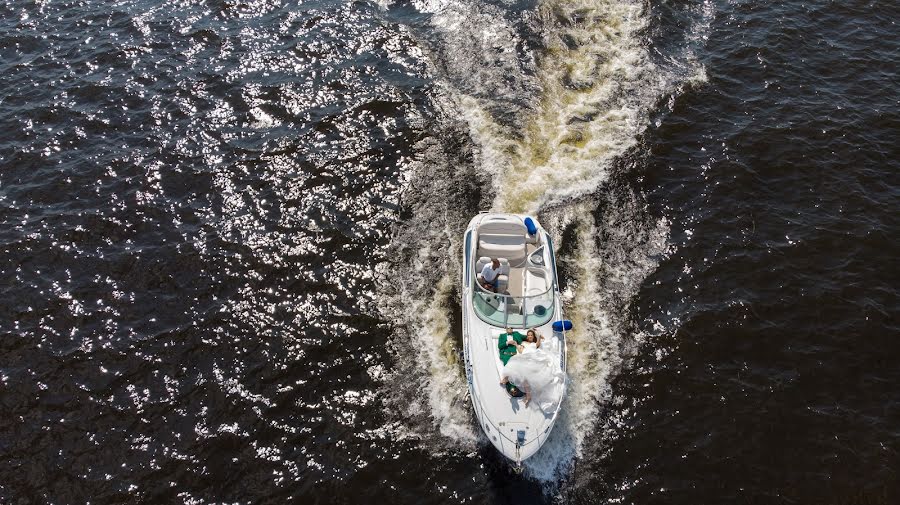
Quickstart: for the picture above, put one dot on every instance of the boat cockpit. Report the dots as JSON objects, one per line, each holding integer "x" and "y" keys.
{"x": 525, "y": 291}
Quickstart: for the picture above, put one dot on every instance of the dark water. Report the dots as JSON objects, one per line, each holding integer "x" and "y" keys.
{"x": 229, "y": 247}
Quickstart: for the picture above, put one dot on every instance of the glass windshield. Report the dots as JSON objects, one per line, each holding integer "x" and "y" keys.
{"x": 515, "y": 311}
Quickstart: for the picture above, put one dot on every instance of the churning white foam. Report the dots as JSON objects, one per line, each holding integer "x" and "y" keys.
{"x": 425, "y": 390}
{"x": 598, "y": 84}
{"x": 446, "y": 391}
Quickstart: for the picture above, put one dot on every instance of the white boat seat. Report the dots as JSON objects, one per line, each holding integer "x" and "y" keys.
{"x": 482, "y": 261}
{"x": 511, "y": 247}
{"x": 503, "y": 284}
{"x": 535, "y": 282}
{"x": 502, "y": 225}
{"x": 503, "y": 280}
{"x": 502, "y": 237}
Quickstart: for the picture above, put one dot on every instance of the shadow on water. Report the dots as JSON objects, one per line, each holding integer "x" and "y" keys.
{"x": 507, "y": 486}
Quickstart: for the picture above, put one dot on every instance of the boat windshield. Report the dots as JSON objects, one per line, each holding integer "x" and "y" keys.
{"x": 513, "y": 311}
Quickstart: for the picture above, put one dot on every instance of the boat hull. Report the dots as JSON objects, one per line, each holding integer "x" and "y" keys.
{"x": 517, "y": 431}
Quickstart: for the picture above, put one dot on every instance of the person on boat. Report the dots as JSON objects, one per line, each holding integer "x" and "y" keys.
{"x": 531, "y": 343}
{"x": 509, "y": 343}
{"x": 490, "y": 275}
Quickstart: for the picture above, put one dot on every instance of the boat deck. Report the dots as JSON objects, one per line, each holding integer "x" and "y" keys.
{"x": 503, "y": 416}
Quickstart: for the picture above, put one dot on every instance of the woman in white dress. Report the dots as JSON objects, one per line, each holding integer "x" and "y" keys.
{"x": 531, "y": 343}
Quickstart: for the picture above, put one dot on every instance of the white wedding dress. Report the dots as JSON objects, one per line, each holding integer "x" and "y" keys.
{"x": 540, "y": 370}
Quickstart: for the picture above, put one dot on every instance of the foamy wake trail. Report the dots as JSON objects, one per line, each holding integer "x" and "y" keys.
{"x": 445, "y": 392}
{"x": 598, "y": 84}
{"x": 597, "y": 87}
{"x": 478, "y": 50}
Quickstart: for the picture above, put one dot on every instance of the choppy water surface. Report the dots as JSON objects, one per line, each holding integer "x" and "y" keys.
{"x": 230, "y": 238}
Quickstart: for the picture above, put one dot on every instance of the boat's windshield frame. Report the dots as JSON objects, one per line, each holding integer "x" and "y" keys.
{"x": 468, "y": 256}
{"x": 493, "y": 308}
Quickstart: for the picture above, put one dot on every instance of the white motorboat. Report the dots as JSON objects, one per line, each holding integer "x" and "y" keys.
{"x": 526, "y": 297}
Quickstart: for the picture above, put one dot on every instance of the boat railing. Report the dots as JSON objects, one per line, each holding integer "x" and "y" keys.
{"x": 502, "y": 310}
